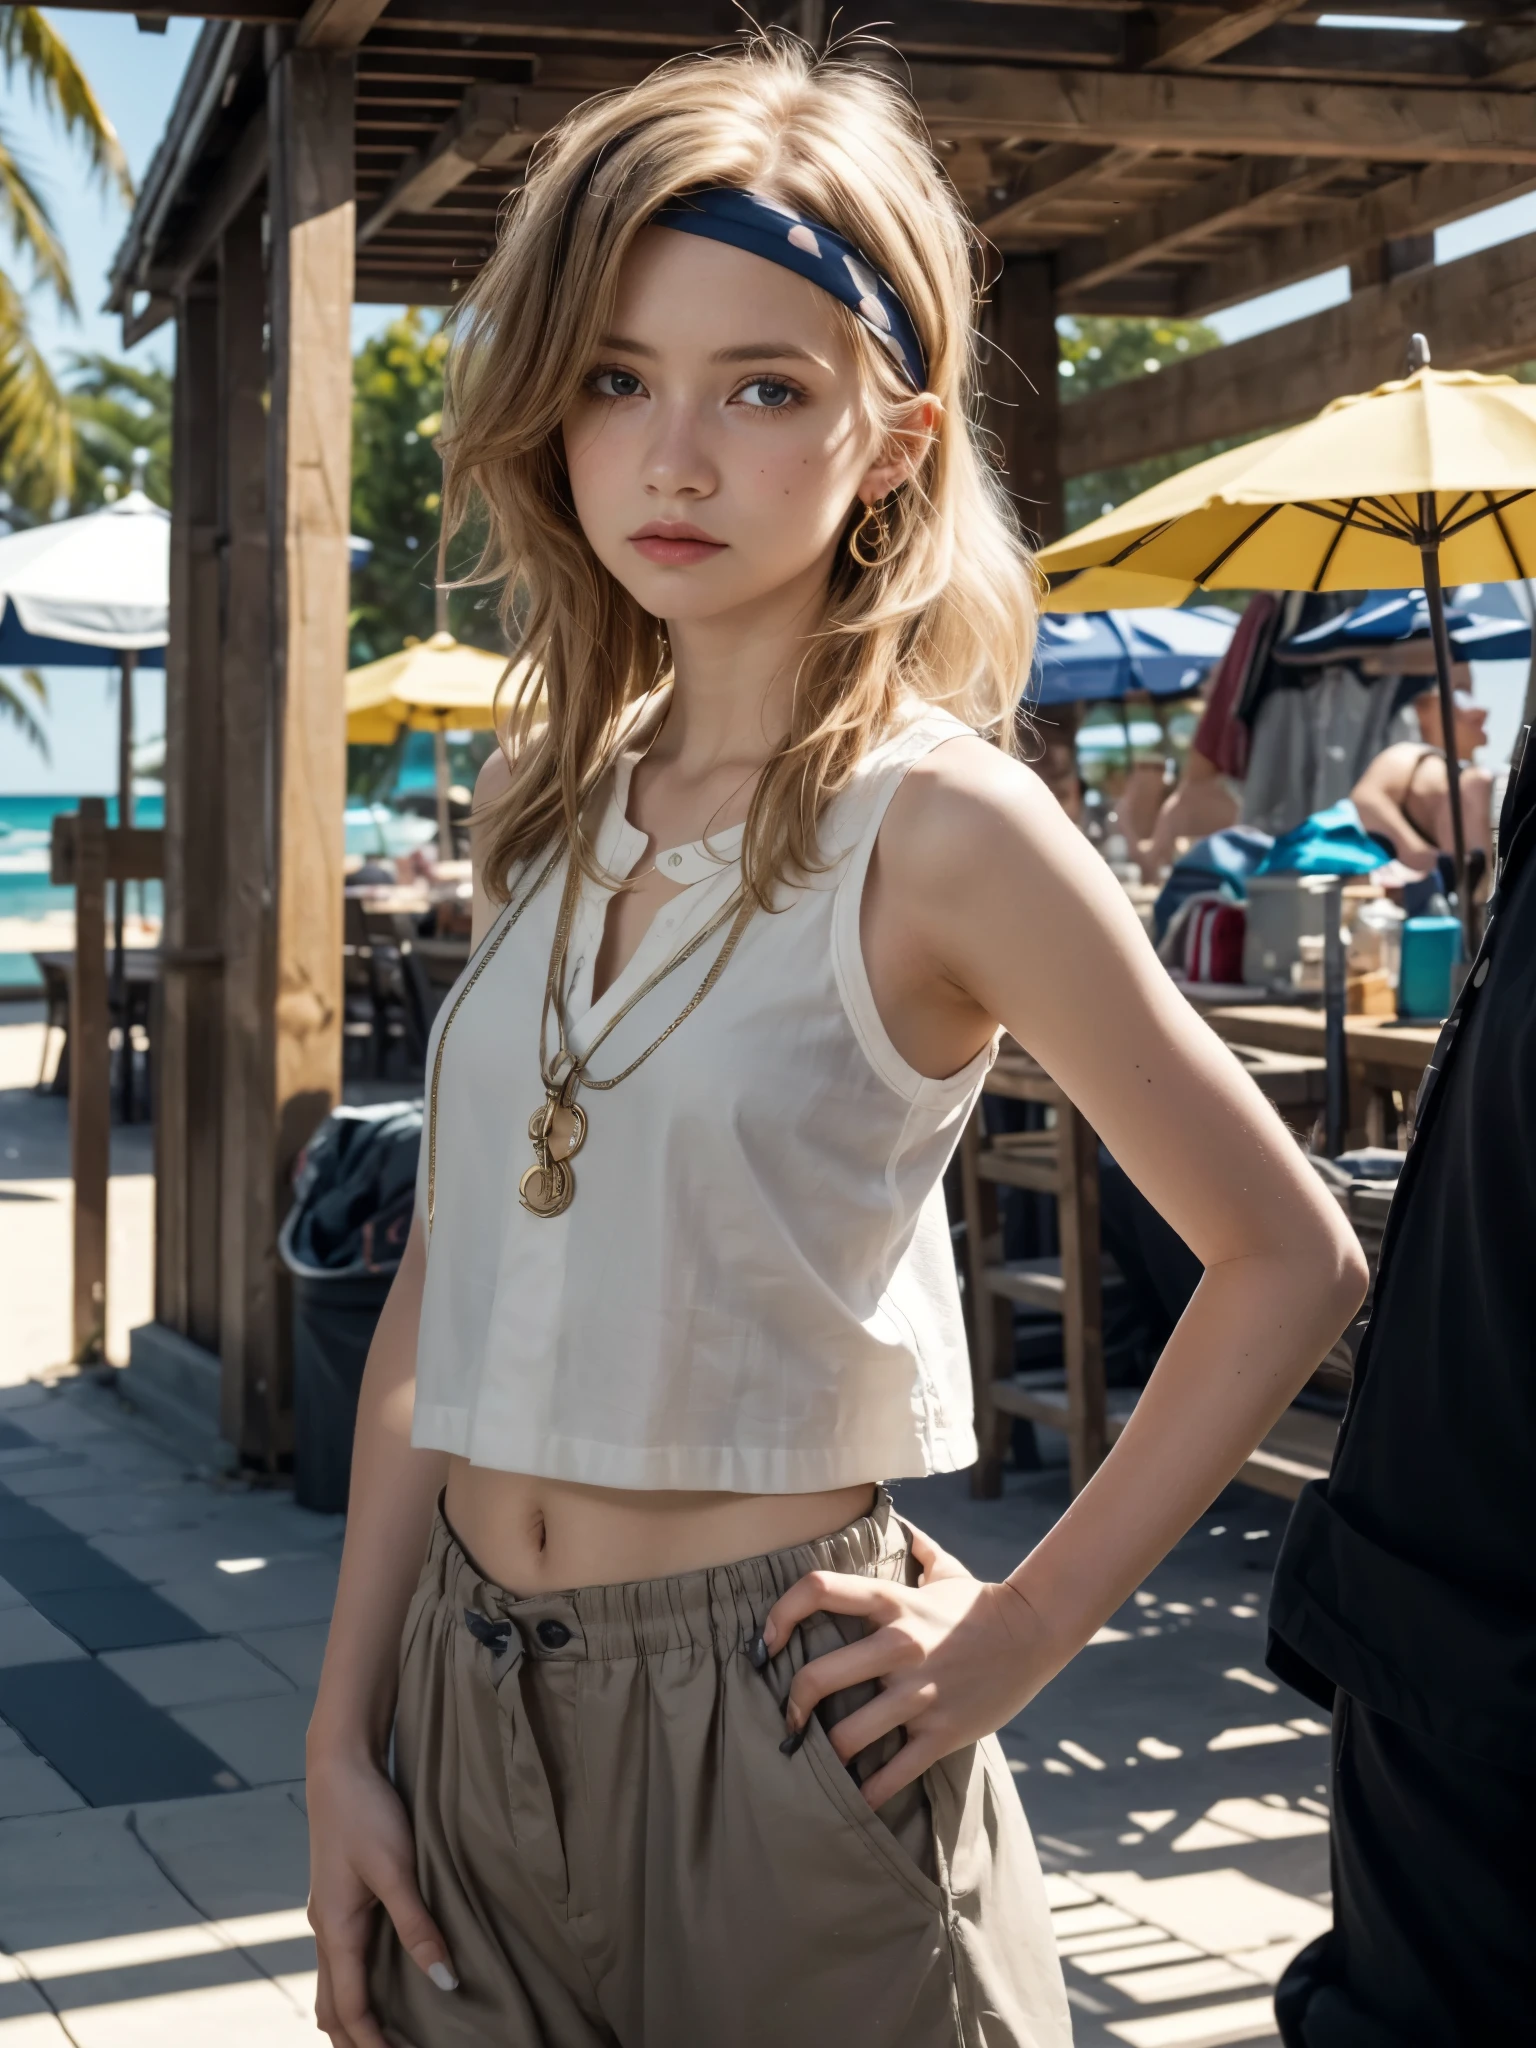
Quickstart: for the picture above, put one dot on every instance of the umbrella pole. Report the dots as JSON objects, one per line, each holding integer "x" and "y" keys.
{"x": 130, "y": 661}
{"x": 444, "y": 820}
{"x": 1429, "y": 556}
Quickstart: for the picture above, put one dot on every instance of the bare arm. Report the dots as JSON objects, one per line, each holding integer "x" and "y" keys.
{"x": 1379, "y": 796}
{"x": 995, "y": 910}
{"x": 362, "y": 1854}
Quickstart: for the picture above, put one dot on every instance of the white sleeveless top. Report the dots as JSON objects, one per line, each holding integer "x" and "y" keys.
{"x": 753, "y": 1289}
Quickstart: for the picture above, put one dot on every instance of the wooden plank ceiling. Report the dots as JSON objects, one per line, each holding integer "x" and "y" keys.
{"x": 1168, "y": 159}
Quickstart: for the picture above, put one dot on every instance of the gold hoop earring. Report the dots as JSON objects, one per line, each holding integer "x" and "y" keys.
{"x": 880, "y": 538}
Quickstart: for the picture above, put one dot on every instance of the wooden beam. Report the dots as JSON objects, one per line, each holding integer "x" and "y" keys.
{"x": 1413, "y": 205}
{"x": 1232, "y": 197}
{"x": 496, "y": 124}
{"x": 248, "y": 1279}
{"x": 1190, "y": 37}
{"x": 1479, "y": 313}
{"x": 189, "y": 1045}
{"x": 313, "y": 230}
{"x": 135, "y": 853}
{"x": 1509, "y": 51}
{"x": 400, "y": 288}
{"x": 338, "y": 25}
{"x": 1383, "y": 261}
{"x": 1022, "y": 400}
{"x": 1362, "y": 56}
{"x": 158, "y": 307}
{"x": 1230, "y": 116}
{"x": 242, "y": 174}
{"x": 1060, "y": 172}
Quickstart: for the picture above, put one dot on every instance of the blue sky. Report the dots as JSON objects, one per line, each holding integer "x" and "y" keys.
{"x": 136, "y": 77}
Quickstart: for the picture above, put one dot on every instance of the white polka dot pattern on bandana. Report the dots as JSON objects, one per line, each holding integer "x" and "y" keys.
{"x": 768, "y": 228}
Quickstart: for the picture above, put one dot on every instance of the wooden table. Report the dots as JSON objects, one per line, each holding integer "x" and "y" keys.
{"x": 141, "y": 971}
{"x": 1386, "y": 1057}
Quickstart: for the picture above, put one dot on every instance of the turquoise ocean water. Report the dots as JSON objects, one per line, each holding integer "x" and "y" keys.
{"x": 26, "y": 823}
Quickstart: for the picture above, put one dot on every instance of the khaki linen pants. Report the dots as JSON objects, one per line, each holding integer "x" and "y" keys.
{"x": 617, "y": 1852}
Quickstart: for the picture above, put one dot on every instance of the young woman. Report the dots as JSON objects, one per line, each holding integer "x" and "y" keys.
{"x": 693, "y": 1738}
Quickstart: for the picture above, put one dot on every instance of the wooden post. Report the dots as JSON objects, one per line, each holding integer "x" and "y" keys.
{"x": 188, "y": 1053}
{"x": 128, "y": 664}
{"x": 247, "y": 1283}
{"x": 90, "y": 1083}
{"x": 1082, "y": 1333}
{"x": 1023, "y": 402}
{"x": 289, "y": 1072}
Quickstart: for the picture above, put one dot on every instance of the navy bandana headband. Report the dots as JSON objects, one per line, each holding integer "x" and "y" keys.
{"x": 764, "y": 228}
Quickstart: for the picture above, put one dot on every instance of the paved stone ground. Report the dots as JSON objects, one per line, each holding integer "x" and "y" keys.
{"x": 1177, "y": 1792}
{"x": 160, "y": 1640}
{"x": 36, "y": 1212}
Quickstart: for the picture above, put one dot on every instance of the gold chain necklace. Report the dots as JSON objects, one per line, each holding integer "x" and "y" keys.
{"x": 488, "y": 954}
{"x": 558, "y": 1128}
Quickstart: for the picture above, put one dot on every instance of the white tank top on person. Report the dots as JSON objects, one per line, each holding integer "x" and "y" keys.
{"x": 754, "y": 1289}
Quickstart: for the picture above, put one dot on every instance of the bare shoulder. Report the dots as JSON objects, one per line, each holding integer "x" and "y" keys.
{"x": 491, "y": 786}
{"x": 967, "y": 806}
{"x": 493, "y": 781}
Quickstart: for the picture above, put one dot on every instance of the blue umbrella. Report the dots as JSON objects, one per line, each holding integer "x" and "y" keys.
{"x": 21, "y": 649}
{"x": 1388, "y": 618}
{"x": 1086, "y": 657}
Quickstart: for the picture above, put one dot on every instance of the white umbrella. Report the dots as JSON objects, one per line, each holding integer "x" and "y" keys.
{"x": 102, "y": 580}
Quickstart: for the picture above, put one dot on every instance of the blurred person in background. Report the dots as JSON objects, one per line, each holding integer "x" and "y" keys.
{"x": 1404, "y": 795}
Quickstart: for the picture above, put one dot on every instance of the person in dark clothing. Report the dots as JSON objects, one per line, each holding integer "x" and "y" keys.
{"x": 1405, "y": 1592}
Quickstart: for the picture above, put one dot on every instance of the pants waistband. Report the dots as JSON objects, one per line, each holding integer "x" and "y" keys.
{"x": 723, "y": 1604}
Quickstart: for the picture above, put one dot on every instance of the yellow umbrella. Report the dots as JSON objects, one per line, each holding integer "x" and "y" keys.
{"x": 1109, "y": 590}
{"x": 437, "y": 686}
{"x": 1428, "y": 477}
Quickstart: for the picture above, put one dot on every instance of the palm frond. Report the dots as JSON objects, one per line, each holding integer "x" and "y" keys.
{"x": 15, "y": 708}
{"x": 119, "y": 408}
{"x": 37, "y": 431}
{"x": 24, "y": 210}
{"x": 94, "y": 375}
{"x": 29, "y": 43}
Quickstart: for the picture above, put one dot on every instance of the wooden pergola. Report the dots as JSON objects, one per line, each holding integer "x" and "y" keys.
{"x": 1122, "y": 158}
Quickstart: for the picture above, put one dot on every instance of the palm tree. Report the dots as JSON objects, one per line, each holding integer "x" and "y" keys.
{"x": 122, "y": 419}
{"x": 37, "y": 442}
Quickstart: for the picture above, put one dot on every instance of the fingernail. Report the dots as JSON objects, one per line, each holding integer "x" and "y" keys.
{"x": 792, "y": 1742}
{"x": 770, "y": 1635}
{"x": 442, "y": 1977}
{"x": 757, "y": 1650}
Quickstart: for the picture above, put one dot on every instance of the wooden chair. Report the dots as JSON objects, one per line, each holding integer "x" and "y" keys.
{"x": 404, "y": 993}
{"x": 56, "y": 996}
{"x": 1062, "y": 1161}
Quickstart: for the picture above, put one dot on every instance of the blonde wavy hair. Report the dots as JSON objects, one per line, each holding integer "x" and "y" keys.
{"x": 947, "y": 615}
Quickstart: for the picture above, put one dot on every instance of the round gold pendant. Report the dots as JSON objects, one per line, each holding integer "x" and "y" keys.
{"x": 561, "y": 1126}
{"x": 546, "y": 1189}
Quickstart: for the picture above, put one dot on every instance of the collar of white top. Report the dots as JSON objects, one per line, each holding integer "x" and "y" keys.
{"x": 621, "y": 844}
